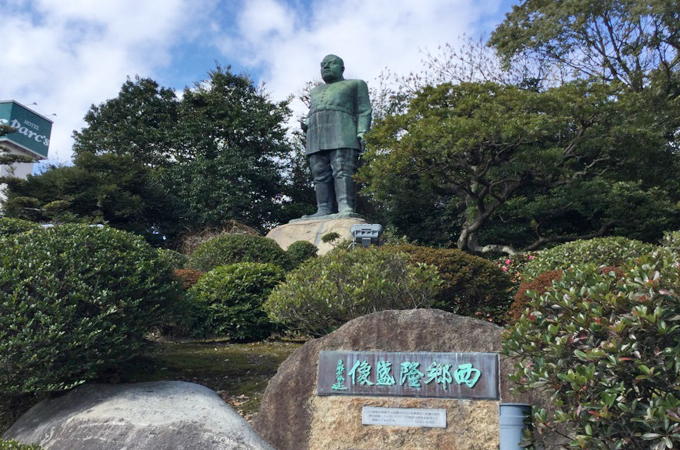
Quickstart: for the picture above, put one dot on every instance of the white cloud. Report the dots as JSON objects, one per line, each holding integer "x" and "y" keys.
{"x": 369, "y": 35}
{"x": 67, "y": 55}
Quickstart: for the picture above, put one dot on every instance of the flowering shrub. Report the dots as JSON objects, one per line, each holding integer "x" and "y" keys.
{"x": 604, "y": 344}
{"x": 514, "y": 266}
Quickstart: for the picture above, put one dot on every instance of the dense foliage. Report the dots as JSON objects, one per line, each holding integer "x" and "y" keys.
{"x": 74, "y": 300}
{"x": 536, "y": 286}
{"x": 608, "y": 251}
{"x": 176, "y": 260}
{"x": 160, "y": 165}
{"x": 472, "y": 286}
{"x": 235, "y": 248}
{"x": 112, "y": 189}
{"x": 627, "y": 41}
{"x": 228, "y": 301}
{"x": 324, "y": 293}
{"x": 605, "y": 347}
{"x": 300, "y": 251}
{"x": 502, "y": 166}
{"x": 10, "y": 226}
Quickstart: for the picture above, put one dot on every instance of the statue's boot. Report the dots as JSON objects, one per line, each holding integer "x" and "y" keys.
{"x": 345, "y": 190}
{"x": 324, "y": 200}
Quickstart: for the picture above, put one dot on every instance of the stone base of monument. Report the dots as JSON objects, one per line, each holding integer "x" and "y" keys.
{"x": 311, "y": 230}
{"x": 418, "y": 379}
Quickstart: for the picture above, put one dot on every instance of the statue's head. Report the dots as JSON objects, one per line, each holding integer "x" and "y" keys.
{"x": 332, "y": 68}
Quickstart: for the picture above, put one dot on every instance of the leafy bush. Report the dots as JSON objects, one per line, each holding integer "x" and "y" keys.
{"x": 14, "y": 445}
{"x": 10, "y": 226}
{"x": 606, "y": 347}
{"x": 229, "y": 301}
{"x": 236, "y": 248}
{"x": 175, "y": 259}
{"x": 75, "y": 299}
{"x": 536, "y": 286}
{"x": 324, "y": 293}
{"x": 188, "y": 277}
{"x": 605, "y": 251}
{"x": 301, "y": 251}
{"x": 473, "y": 286}
{"x": 671, "y": 240}
{"x": 330, "y": 237}
{"x": 514, "y": 266}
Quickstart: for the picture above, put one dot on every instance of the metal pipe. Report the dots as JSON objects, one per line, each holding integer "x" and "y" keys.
{"x": 512, "y": 420}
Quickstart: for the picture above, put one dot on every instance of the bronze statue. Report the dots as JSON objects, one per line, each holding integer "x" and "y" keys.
{"x": 339, "y": 115}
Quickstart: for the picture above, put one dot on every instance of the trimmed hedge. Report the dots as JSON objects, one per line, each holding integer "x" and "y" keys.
{"x": 236, "y": 248}
{"x": 176, "y": 259}
{"x": 300, "y": 251}
{"x": 473, "y": 286}
{"x": 605, "y": 251}
{"x": 9, "y": 226}
{"x": 75, "y": 300}
{"x": 228, "y": 301}
{"x": 324, "y": 293}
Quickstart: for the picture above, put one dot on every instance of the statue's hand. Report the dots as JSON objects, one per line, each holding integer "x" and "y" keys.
{"x": 360, "y": 136}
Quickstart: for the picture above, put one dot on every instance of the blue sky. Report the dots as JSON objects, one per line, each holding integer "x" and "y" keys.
{"x": 66, "y": 55}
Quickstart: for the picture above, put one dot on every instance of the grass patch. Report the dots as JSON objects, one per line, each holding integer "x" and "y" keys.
{"x": 238, "y": 372}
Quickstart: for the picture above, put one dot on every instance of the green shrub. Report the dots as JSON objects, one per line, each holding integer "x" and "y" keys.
{"x": 536, "y": 286}
{"x": 473, "y": 286}
{"x": 605, "y": 251}
{"x": 75, "y": 299}
{"x": 605, "y": 346}
{"x": 175, "y": 259}
{"x": 236, "y": 248}
{"x": 671, "y": 240}
{"x": 229, "y": 301}
{"x": 14, "y": 445}
{"x": 301, "y": 251}
{"x": 9, "y": 226}
{"x": 324, "y": 293}
{"x": 330, "y": 237}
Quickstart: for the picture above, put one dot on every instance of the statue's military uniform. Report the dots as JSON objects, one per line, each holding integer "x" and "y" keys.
{"x": 339, "y": 112}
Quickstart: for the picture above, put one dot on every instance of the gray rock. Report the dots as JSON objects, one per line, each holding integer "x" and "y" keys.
{"x": 145, "y": 416}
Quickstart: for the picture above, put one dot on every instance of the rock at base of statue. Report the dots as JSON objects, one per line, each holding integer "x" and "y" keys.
{"x": 334, "y": 422}
{"x": 311, "y": 230}
{"x": 144, "y": 416}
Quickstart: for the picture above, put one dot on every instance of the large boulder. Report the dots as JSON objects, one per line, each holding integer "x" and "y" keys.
{"x": 334, "y": 422}
{"x": 165, "y": 415}
{"x": 311, "y": 230}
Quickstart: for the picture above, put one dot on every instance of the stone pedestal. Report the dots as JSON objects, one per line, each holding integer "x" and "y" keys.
{"x": 312, "y": 230}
